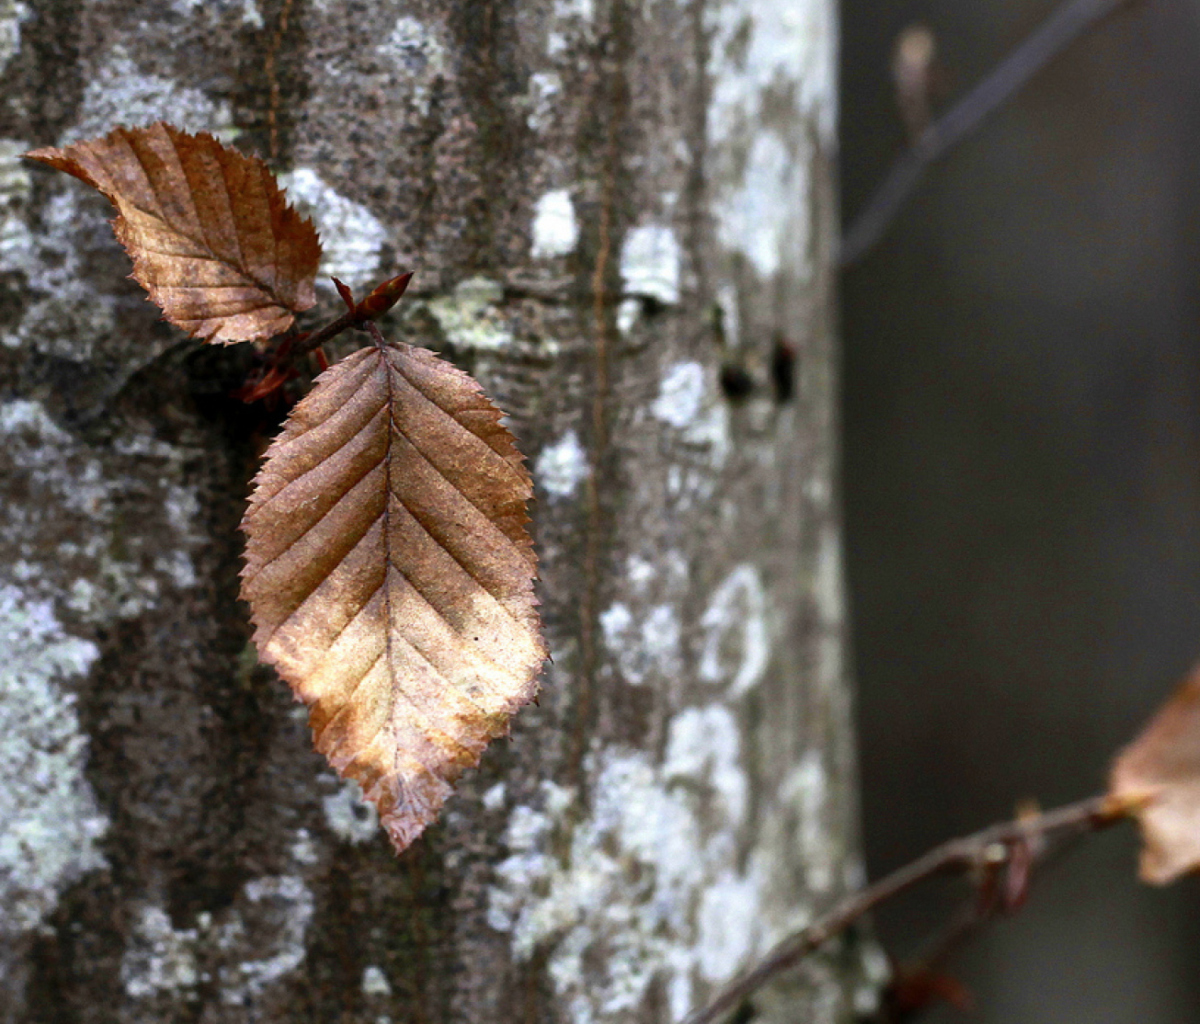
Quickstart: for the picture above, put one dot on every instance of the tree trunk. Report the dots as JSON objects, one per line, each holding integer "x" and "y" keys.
{"x": 620, "y": 214}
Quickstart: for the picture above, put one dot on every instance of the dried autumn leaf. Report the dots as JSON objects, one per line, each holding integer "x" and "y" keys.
{"x": 390, "y": 575}
{"x": 212, "y": 237}
{"x": 1157, "y": 778}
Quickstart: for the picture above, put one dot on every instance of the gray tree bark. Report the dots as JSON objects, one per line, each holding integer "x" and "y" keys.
{"x": 610, "y": 204}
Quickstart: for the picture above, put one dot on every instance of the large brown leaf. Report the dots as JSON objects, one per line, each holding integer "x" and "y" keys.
{"x": 212, "y": 237}
{"x": 390, "y": 575}
{"x": 1158, "y": 778}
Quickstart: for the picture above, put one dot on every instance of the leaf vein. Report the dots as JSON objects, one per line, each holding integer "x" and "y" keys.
{"x": 455, "y": 631}
{"x": 459, "y": 562}
{"x": 248, "y": 580}
{"x": 203, "y": 242}
{"x": 348, "y": 701}
{"x": 457, "y": 490}
{"x": 319, "y": 520}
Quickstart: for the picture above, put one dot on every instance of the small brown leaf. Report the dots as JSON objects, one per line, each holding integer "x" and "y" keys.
{"x": 390, "y": 575}
{"x": 1157, "y": 778}
{"x": 212, "y": 237}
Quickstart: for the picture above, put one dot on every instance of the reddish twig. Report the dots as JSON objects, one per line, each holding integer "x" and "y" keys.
{"x": 986, "y": 851}
{"x": 1061, "y": 29}
{"x": 383, "y": 298}
{"x": 318, "y": 338}
{"x": 279, "y": 364}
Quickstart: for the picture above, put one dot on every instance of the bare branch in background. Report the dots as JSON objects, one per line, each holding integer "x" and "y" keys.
{"x": 1000, "y": 856}
{"x": 1066, "y": 25}
{"x": 1155, "y": 780}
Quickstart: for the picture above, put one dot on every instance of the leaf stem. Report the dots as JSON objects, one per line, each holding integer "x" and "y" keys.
{"x": 989, "y": 849}
{"x": 376, "y": 335}
{"x": 327, "y": 333}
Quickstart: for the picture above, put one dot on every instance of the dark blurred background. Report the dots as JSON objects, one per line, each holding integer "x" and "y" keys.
{"x": 1022, "y": 480}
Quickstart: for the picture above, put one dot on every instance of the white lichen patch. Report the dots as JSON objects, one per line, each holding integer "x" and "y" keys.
{"x": 629, "y": 311}
{"x": 762, "y": 51}
{"x": 159, "y": 957}
{"x": 737, "y": 644}
{"x": 119, "y": 92}
{"x": 705, "y": 743}
{"x": 640, "y": 572}
{"x": 282, "y": 908}
{"x": 303, "y": 849}
{"x": 685, "y": 402}
{"x": 562, "y": 466}
{"x": 349, "y": 816}
{"x": 651, "y": 263}
{"x": 62, "y": 474}
{"x": 21, "y": 416}
{"x": 572, "y": 21}
{"x": 470, "y": 316}
{"x": 760, "y": 47}
{"x": 829, "y": 599}
{"x": 748, "y": 216}
{"x": 680, "y": 395}
{"x": 648, "y": 887}
{"x": 374, "y": 981}
{"x": 183, "y": 508}
{"x": 646, "y": 649}
{"x": 352, "y": 237}
{"x": 555, "y": 229}
{"x": 828, "y": 585}
{"x": 584, "y": 9}
{"x": 247, "y": 11}
{"x": 495, "y": 796}
{"x": 416, "y": 51}
{"x": 49, "y": 818}
{"x": 178, "y": 567}
{"x": 876, "y": 973}
{"x": 806, "y": 790}
{"x": 545, "y": 90}
{"x": 51, "y": 261}
{"x": 249, "y": 946}
{"x": 65, "y": 316}
{"x": 12, "y": 14}
{"x": 710, "y": 431}
{"x": 16, "y": 238}
{"x": 728, "y": 924}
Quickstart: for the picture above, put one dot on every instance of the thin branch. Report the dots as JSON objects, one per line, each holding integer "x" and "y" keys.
{"x": 360, "y": 315}
{"x": 314, "y": 341}
{"x": 989, "y": 848}
{"x": 1062, "y": 28}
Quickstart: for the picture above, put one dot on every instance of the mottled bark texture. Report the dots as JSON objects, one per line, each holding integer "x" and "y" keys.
{"x": 613, "y": 206}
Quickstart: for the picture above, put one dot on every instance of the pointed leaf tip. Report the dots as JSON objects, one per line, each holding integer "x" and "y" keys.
{"x": 390, "y": 575}
{"x": 212, "y": 236}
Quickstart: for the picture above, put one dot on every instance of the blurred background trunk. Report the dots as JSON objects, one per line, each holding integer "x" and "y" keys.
{"x": 620, "y": 216}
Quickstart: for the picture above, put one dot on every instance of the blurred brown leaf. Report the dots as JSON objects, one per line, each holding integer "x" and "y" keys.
{"x": 913, "y": 991}
{"x": 1157, "y": 778}
{"x": 212, "y": 237}
{"x": 914, "y": 57}
{"x": 390, "y": 575}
